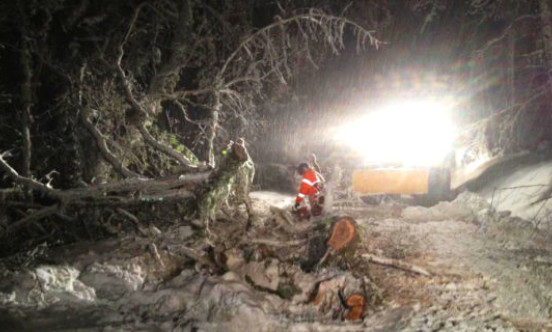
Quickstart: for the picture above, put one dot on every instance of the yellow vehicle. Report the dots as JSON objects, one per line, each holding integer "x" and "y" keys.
{"x": 433, "y": 183}
{"x": 404, "y": 148}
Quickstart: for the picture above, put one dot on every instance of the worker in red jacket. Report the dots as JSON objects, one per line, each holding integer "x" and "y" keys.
{"x": 311, "y": 186}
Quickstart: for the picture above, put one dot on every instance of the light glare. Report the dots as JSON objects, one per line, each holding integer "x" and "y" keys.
{"x": 413, "y": 134}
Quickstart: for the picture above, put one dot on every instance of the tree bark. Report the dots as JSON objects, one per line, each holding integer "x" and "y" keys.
{"x": 546, "y": 24}
{"x": 104, "y": 149}
{"x": 112, "y": 191}
{"x": 26, "y": 103}
{"x": 166, "y": 78}
{"x": 212, "y": 129}
{"x": 223, "y": 180}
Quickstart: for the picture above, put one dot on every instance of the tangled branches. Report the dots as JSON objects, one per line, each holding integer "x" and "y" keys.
{"x": 148, "y": 91}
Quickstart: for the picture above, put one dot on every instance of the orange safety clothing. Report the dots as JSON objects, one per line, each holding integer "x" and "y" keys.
{"x": 310, "y": 185}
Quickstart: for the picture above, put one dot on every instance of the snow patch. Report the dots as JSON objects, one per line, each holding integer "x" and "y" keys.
{"x": 43, "y": 286}
{"x": 262, "y": 201}
{"x": 112, "y": 281}
{"x": 273, "y": 198}
{"x": 467, "y": 206}
{"x": 518, "y": 190}
{"x": 61, "y": 281}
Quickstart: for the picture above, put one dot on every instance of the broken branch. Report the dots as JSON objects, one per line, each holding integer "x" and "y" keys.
{"x": 25, "y": 181}
{"x": 396, "y": 264}
{"x": 276, "y": 243}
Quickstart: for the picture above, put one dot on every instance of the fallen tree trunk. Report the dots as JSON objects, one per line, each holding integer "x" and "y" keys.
{"x": 101, "y": 192}
{"x": 397, "y": 264}
{"x": 201, "y": 193}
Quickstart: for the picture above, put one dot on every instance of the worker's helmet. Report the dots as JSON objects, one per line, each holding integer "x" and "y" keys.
{"x": 302, "y": 168}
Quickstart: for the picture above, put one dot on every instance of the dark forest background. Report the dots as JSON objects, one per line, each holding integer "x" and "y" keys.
{"x": 61, "y": 61}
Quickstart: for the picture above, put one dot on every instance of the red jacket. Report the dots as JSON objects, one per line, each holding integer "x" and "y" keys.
{"x": 310, "y": 185}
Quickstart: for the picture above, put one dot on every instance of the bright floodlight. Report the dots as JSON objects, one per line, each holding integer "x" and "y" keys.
{"x": 412, "y": 133}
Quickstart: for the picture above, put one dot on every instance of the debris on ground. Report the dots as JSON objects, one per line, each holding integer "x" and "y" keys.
{"x": 466, "y": 271}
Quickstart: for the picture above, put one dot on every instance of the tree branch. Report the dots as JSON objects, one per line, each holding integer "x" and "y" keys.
{"x": 185, "y": 93}
{"x": 167, "y": 150}
{"x": 495, "y": 40}
{"x": 126, "y": 84}
{"x": 104, "y": 149}
{"x": 45, "y": 212}
{"x": 27, "y": 102}
{"x": 313, "y": 17}
{"x": 178, "y": 45}
{"x": 276, "y": 243}
{"x": 26, "y": 181}
{"x": 149, "y": 139}
{"x": 396, "y": 264}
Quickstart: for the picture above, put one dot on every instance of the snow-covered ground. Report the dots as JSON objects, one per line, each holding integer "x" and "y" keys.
{"x": 272, "y": 198}
{"x": 489, "y": 273}
{"x": 517, "y": 186}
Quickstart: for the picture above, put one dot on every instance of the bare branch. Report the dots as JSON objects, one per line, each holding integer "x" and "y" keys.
{"x": 104, "y": 149}
{"x": 397, "y": 264}
{"x": 185, "y": 93}
{"x": 505, "y": 32}
{"x": 276, "y": 243}
{"x": 512, "y": 108}
{"x": 45, "y": 212}
{"x": 126, "y": 83}
{"x": 186, "y": 116}
{"x": 132, "y": 218}
{"x": 149, "y": 139}
{"x": 26, "y": 181}
{"x": 167, "y": 150}
{"x": 315, "y": 17}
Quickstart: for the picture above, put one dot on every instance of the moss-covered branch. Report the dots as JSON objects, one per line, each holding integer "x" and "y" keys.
{"x": 224, "y": 179}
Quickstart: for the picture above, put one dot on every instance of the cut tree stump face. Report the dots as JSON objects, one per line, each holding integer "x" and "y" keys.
{"x": 343, "y": 233}
{"x": 356, "y": 304}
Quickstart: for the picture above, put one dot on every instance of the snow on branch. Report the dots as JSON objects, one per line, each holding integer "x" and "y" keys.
{"x": 25, "y": 181}
{"x": 143, "y": 113}
{"x": 270, "y": 55}
{"x": 311, "y": 26}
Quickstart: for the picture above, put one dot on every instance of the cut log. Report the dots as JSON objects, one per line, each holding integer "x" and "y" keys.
{"x": 343, "y": 236}
{"x": 397, "y": 264}
{"x": 343, "y": 233}
{"x": 356, "y": 304}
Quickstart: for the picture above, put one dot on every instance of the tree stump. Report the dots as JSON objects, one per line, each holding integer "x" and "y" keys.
{"x": 343, "y": 233}
{"x": 356, "y": 304}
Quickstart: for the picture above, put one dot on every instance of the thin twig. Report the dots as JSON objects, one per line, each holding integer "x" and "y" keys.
{"x": 276, "y": 243}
